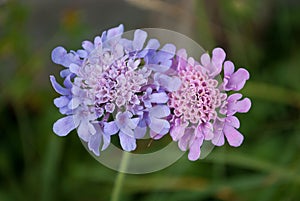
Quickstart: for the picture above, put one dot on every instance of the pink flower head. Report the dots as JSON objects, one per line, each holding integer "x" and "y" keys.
{"x": 199, "y": 105}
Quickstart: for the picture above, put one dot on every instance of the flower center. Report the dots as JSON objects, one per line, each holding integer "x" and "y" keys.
{"x": 197, "y": 98}
{"x": 115, "y": 84}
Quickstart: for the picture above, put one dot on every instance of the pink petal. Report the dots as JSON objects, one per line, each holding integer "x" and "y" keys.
{"x": 234, "y": 137}
{"x": 218, "y": 138}
{"x": 177, "y": 132}
{"x": 244, "y": 105}
{"x": 195, "y": 150}
{"x": 228, "y": 69}
{"x": 218, "y": 56}
{"x": 233, "y": 121}
{"x": 205, "y": 59}
{"x": 238, "y": 80}
{"x": 184, "y": 141}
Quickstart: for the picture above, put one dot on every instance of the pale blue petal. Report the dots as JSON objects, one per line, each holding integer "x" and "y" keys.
{"x": 64, "y": 126}
{"x": 94, "y": 143}
{"x": 58, "y": 88}
{"x": 110, "y": 128}
{"x": 61, "y": 101}
{"x": 168, "y": 82}
{"x": 139, "y": 132}
{"x": 139, "y": 39}
{"x": 74, "y": 68}
{"x": 82, "y": 53}
{"x": 169, "y": 48}
{"x": 157, "y": 67}
{"x": 65, "y": 110}
{"x": 65, "y": 73}
{"x": 128, "y": 143}
{"x": 132, "y": 123}
{"x": 152, "y": 44}
{"x": 106, "y": 141}
{"x": 159, "y": 111}
{"x": 127, "y": 130}
{"x": 58, "y": 55}
{"x": 116, "y": 31}
{"x": 88, "y": 46}
{"x": 83, "y": 131}
{"x": 67, "y": 82}
{"x": 158, "y": 125}
{"x": 161, "y": 97}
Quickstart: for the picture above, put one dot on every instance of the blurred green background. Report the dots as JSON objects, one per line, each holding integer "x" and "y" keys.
{"x": 261, "y": 35}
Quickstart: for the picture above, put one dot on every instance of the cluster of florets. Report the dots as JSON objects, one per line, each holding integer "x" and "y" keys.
{"x": 133, "y": 88}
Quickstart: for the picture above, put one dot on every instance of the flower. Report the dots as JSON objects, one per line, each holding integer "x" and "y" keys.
{"x": 200, "y": 104}
{"x": 111, "y": 87}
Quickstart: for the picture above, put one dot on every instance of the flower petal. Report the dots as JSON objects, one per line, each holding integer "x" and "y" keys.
{"x": 218, "y": 56}
{"x": 159, "y": 111}
{"x": 65, "y": 72}
{"x": 110, "y": 128}
{"x": 114, "y": 32}
{"x": 232, "y": 121}
{"x": 228, "y": 69}
{"x": 205, "y": 59}
{"x": 237, "y": 80}
{"x": 106, "y": 141}
{"x": 158, "y": 67}
{"x": 82, "y": 53}
{"x": 132, "y": 123}
{"x": 94, "y": 143}
{"x": 205, "y": 130}
{"x": 168, "y": 82}
{"x": 58, "y": 88}
{"x": 177, "y": 132}
{"x": 169, "y": 49}
{"x": 234, "y": 105}
{"x": 139, "y": 39}
{"x": 58, "y": 55}
{"x": 195, "y": 150}
{"x": 184, "y": 141}
{"x": 67, "y": 82}
{"x": 83, "y": 131}
{"x": 234, "y": 137}
{"x": 64, "y": 126}
{"x": 158, "y": 125}
{"x": 74, "y": 68}
{"x": 139, "y": 132}
{"x": 61, "y": 101}
{"x": 161, "y": 97}
{"x": 128, "y": 143}
{"x": 218, "y": 138}
{"x": 88, "y": 46}
{"x": 152, "y": 44}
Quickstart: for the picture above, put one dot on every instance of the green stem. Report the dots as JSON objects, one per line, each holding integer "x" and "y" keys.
{"x": 120, "y": 178}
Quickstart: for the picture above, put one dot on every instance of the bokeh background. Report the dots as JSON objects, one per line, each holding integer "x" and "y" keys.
{"x": 261, "y": 35}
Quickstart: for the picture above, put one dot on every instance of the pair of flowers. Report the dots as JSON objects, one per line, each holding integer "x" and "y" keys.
{"x": 133, "y": 88}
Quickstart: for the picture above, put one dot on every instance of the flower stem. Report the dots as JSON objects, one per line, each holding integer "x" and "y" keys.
{"x": 120, "y": 178}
